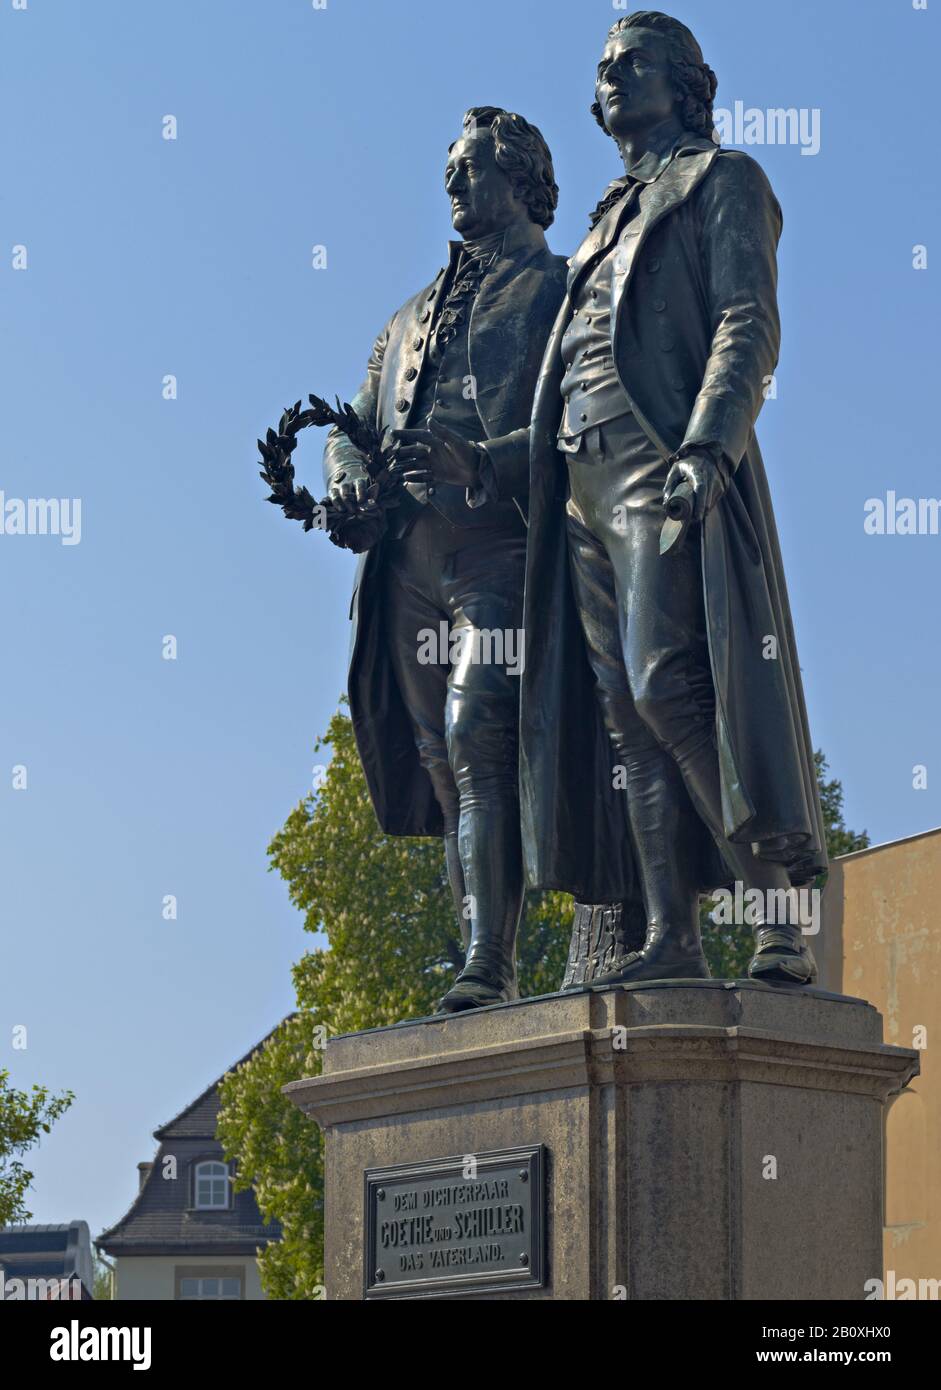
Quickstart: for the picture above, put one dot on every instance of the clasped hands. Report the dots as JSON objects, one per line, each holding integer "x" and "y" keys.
{"x": 436, "y": 454}
{"x": 430, "y": 455}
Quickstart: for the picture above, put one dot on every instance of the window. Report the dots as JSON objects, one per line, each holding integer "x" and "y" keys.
{"x": 199, "y": 1283}
{"x": 209, "y": 1286}
{"x": 211, "y": 1186}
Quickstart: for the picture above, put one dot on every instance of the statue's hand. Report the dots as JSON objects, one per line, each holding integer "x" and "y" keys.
{"x": 704, "y": 476}
{"x": 436, "y": 454}
{"x": 348, "y": 488}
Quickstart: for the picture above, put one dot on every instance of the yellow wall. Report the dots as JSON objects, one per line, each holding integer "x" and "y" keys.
{"x": 153, "y": 1276}
{"x": 881, "y": 941}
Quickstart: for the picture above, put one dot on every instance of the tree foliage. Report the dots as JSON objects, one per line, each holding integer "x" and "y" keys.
{"x": 103, "y": 1289}
{"x": 280, "y": 1153}
{"x": 392, "y": 949}
{"x": 24, "y": 1117}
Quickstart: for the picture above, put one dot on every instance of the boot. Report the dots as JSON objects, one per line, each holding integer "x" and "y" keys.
{"x": 781, "y": 953}
{"x": 492, "y": 859}
{"x": 452, "y": 858}
{"x": 662, "y": 831}
{"x": 782, "y": 957}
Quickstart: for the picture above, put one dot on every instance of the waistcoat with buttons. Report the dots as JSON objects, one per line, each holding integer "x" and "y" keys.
{"x": 591, "y": 390}
{"x": 446, "y": 392}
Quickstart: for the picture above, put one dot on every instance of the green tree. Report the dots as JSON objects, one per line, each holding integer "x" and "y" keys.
{"x": 24, "y": 1117}
{"x": 104, "y": 1280}
{"x": 393, "y": 947}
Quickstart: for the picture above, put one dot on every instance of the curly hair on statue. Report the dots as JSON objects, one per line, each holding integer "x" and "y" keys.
{"x": 523, "y": 155}
{"x": 694, "y": 82}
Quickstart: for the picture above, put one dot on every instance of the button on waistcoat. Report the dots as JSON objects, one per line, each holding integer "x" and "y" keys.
{"x": 446, "y": 392}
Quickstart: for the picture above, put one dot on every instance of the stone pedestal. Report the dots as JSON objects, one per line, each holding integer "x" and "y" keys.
{"x": 696, "y": 1140}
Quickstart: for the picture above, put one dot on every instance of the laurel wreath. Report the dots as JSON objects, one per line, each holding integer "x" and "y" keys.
{"x": 355, "y": 528}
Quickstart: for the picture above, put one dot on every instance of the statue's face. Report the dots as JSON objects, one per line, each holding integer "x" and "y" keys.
{"x": 482, "y": 197}
{"x": 633, "y": 87}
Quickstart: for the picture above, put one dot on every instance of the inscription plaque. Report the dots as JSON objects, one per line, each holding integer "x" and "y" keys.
{"x": 475, "y": 1223}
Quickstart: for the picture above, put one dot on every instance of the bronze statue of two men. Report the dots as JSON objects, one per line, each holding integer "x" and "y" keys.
{"x": 648, "y": 742}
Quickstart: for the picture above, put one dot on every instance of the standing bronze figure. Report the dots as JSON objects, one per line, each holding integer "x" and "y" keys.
{"x": 665, "y": 750}
{"x": 438, "y": 726}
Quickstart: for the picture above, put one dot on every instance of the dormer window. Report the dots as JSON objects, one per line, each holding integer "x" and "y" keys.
{"x": 211, "y": 1186}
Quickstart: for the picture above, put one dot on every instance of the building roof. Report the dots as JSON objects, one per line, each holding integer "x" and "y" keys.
{"x": 48, "y": 1252}
{"x": 161, "y": 1219}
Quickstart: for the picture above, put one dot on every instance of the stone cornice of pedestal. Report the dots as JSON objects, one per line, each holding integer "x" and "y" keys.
{"x": 678, "y": 1052}
{"x": 552, "y": 1063}
{"x": 581, "y": 1058}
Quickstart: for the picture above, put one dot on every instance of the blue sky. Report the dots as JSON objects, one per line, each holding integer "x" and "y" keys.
{"x": 147, "y": 257}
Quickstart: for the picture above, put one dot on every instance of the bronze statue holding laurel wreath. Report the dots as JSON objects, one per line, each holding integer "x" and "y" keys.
{"x": 449, "y": 385}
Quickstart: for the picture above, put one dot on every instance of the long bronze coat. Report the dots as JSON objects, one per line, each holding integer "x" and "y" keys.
{"x": 507, "y": 333}
{"x": 695, "y": 336}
